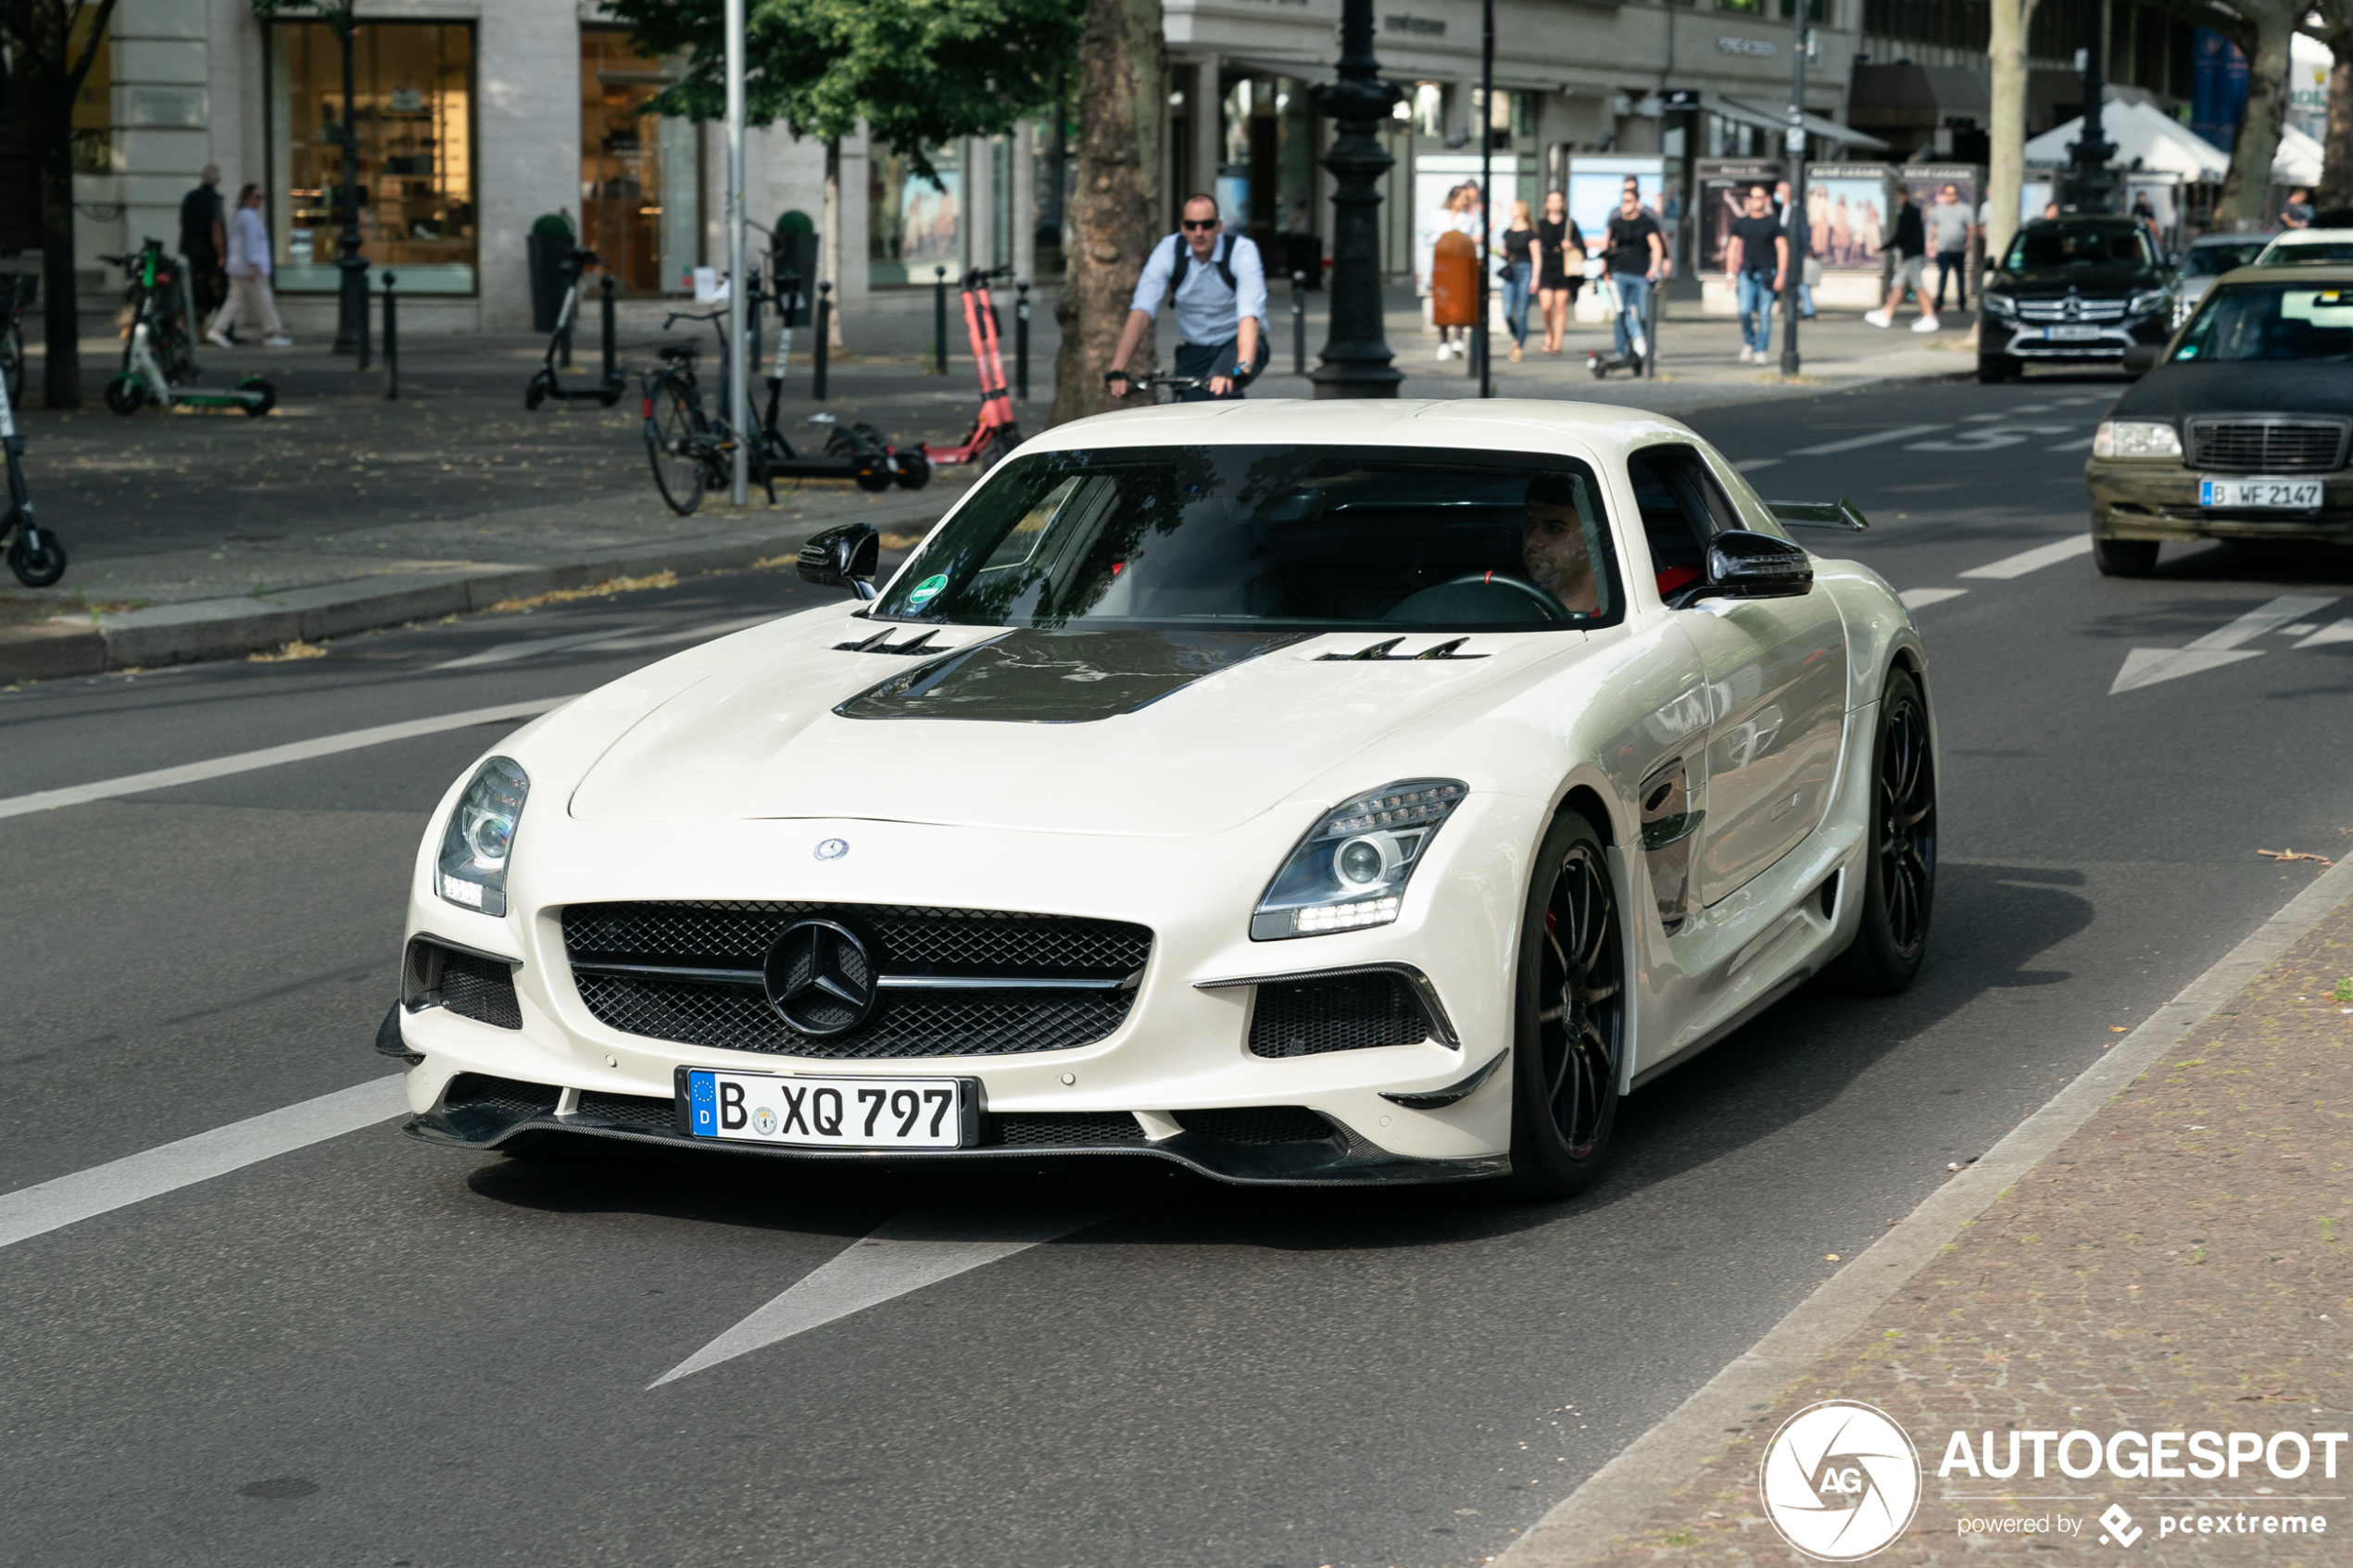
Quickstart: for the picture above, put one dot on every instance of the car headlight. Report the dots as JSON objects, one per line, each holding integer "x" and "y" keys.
{"x": 1350, "y": 870}
{"x": 475, "y": 846}
{"x": 2135, "y": 438}
{"x": 2144, "y": 302}
{"x": 2000, "y": 304}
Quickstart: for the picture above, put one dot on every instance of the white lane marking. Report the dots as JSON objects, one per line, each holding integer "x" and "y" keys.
{"x": 2340, "y": 632}
{"x": 51, "y": 1205}
{"x": 2146, "y": 667}
{"x": 2077, "y": 402}
{"x": 1856, "y": 443}
{"x": 2012, "y": 413}
{"x": 2301, "y": 629}
{"x": 656, "y": 639}
{"x": 917, "y": 1248}
{"x": 507, "y": 652}
{"x": 271, "y": 756}
{"x": 1750, "y": 465}
{"x": 2082, "y": 446}
{"x": 1988, "y": 438}
{"x": 1921, "y": 599}
{"x": 2034, "y": 559}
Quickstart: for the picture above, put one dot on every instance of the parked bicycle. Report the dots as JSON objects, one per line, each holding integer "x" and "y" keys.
{"x": 693, "y": 449}
{"x": 158, "y": 358}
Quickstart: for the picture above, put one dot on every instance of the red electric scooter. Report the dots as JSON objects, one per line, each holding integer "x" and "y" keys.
{"x": 993, "y": 432}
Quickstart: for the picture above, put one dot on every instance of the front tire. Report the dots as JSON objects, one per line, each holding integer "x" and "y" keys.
{"x": 124, "y": 396}
{"x": 2124, "y": 557}
{"x": 263, "y": 396}
{"x": 536, "y": 391}
{"x": 1996, "y": 367}
{"x": 672, "y": 442}
{"x": 1898, "y": 866}
{"x": 1570, "y": 1015}
{"x": 37, "y": 567}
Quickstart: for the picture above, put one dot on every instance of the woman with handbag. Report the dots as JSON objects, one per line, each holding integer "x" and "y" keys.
{"x": 1518, "y": 273}
{"x": 1560, "y": 251}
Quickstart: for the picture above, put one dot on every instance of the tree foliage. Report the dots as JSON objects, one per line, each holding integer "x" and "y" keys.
{"x": 920, "y": 73}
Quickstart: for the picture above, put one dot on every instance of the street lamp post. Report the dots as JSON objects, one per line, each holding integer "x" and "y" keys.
{"x": 2090, "y": 184}
{"x": 1801, "y": 242}
{"x": 1357, "y": 359}
{"x": 351, "y": 313}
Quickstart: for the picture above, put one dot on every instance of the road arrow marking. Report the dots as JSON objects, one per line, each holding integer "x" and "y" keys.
{"x": 2146, "y": 667}
{"x": 2034, "y": 559}
{"x": 505, "y": 652}
{"x": 2340, "y": 632}
{"x": 1921, "y": 599}
{"x": 917, "y": 1248}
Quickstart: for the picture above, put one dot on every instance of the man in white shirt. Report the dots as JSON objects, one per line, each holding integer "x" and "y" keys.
{"x": 1220, "y": 289}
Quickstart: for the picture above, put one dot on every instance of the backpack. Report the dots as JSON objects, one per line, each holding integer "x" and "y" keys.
{"x": 1224, "y": 262}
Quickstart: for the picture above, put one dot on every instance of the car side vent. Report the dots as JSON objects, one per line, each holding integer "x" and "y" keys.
{"x": 1386, "y": 653}
{"x": 1060, "y": 1129}
{"x": 1342, "y": 1012}
{"x": 880, "y": 642}
{"x": 479, "y": 1091}
{"x": 471, "y": 985}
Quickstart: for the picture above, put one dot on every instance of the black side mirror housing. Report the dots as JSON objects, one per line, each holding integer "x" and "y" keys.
{"x": 1742, "y": 565}
{"x": 842, "y": 557}
{"x": 2142, "y": 358}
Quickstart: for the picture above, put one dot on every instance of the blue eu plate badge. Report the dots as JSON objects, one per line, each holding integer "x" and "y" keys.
{"x": 702, "y": 1100}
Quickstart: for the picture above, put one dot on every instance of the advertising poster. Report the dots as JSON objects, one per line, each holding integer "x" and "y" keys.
{"x": 927, "y": 217}
{"x": 1593, "y": 184}
{"x": 1846, "y": 215}
{"x": 1723, "y": 188}
{"x": 1925, "y": 182}
{"x": 1436, "y": 181}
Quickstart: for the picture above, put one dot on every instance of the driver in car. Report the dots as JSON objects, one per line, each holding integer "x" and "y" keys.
{"x": 1552, "y": 542}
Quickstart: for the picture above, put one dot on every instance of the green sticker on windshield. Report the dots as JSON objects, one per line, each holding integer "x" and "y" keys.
{"x": 925, "y": 591}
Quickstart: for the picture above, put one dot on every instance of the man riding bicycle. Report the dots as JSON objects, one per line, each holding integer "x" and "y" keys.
{"x": 1219, "y": 284}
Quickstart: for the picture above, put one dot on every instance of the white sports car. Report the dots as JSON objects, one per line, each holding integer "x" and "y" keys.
{"x": 1307, "y": 793}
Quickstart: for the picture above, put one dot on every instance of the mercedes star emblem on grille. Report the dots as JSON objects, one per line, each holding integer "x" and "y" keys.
{"x": 820, "y": 978}
{"x": 832, "y": 848}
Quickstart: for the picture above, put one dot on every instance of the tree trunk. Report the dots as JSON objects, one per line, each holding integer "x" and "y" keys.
{"x": 2336, "y": 142}
{"x": 829, "y": 247}
{"x": 1120, "y": 69}
{"x": 61, "y": 369}
{"x": 2005, "y": 178}
{"x": 2242, "y": 204}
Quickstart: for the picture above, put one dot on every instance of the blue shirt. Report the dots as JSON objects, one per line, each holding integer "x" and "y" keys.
{"x": 1207, "y": 311}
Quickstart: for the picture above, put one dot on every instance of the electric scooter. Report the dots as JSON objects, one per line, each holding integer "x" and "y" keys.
{"x": 544, "y": 384}
{"x": 994, "y": 432}
{"x": 144, "y": 378}
{"x": 1645, "y": 363}
{"x": 35, "y": 554}
{"x": 866, "y": 450}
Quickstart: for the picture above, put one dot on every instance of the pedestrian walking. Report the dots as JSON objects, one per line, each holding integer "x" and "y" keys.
{"x": 203, "y": 242}
{"x": 1949, "y": 231}
{"x": 1459, "y": 215}
{"x": 1217, "y": 282}
{"x": 1797, "y": 223}
{"x": 1519, "y": 273}
{"x": 1911, "y": 271}
{"x": 249, "y": 268}
{"x": 1637, "y": 257}
{"x": 1560, "y": 249}
{"x": 1756, "y": 261}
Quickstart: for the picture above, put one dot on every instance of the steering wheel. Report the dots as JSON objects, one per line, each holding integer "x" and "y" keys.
{"x": 1546, "y": 604}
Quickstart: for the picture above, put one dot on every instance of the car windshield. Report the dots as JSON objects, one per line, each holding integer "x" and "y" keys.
{"x": 1313, "y": 537}
{"x": 2208, "y": 261}
{"x": 2309, "y": 253}
{"x": 2041, "y": 245}
{"x": 2271, "y": 322}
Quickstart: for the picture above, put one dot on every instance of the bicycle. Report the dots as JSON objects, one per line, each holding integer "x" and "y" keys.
{"x": 692, "y": 450}
{"x": 1164, "y": 389}
{"x": 158, "y": 360}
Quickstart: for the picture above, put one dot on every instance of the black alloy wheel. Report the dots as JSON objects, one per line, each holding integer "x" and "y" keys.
{"x": 674, "y": 443}
{"x": 2124, "y": 557}
{"x": 1994, "y": 367}
{"x": 1898, "y": 866}
{"x": 1569, "y": 1048}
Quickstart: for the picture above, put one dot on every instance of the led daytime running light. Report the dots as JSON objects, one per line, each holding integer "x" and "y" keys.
{"x": 1407, "y": 808}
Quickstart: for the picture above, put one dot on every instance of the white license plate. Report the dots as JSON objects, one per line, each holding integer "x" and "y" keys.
{"x": 828, "y": 1112}
{"x": 2266, "y": 494}
{"x": 2070, "y": 334}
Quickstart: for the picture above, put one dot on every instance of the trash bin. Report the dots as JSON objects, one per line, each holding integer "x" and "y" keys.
{"x": 551, "y": 241}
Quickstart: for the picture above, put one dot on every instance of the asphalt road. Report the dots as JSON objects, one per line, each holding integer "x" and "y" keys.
{"x": 368, "y": 1351}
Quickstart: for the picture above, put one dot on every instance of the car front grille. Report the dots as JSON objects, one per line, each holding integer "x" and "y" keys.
{"x": 479, "y": 1091}
{"x": 2059, "y": 309}
{"x": 1060, "y": 1129}
{"x": 1257, "y": 1124}
{"x": 470, "y": 984}
{"x": 619, "y": 951}
{"x": 2267, "y": 445}
{"x": 632, "y": 1110}
{"x": 1342, "y": 1012}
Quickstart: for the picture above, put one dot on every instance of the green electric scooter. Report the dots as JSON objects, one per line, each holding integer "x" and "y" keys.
{"x": 144, "y": 378}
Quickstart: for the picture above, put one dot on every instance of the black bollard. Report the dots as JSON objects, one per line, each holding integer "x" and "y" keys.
{"x": 392, "y": 342}
{"x": 817, "y": 353}
{"x": 1021, "y": 341}
{"x": 1298, "y": 324}
{"x": 612, "y": 351}
{"x": 939, "y": 322}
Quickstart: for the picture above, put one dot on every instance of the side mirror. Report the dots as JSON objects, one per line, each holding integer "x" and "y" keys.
{"x": 1756, "y": 566}
{"x": 842, "y": 557}
{"x": 2142, "y": 358}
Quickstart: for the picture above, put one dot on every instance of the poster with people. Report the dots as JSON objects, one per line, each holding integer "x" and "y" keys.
{"x": 1724, "y": 185}
{"x": 927, "y": 217}
{"x": 1594, "y": 182}
{"x": 1846, "y": 215}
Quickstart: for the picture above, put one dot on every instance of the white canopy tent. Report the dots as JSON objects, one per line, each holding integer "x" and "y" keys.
{"x": 2148, "y": 136}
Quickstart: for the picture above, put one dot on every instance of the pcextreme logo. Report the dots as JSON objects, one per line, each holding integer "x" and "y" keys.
{"x": 1840, "y": 1480}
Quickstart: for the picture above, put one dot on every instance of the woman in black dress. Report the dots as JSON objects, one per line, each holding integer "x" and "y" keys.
{"x": 1560, "y": 249}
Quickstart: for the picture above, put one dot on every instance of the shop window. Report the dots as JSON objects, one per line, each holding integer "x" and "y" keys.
{"x": 916, "y": 222}
{"x": 639, "y": 196}
{"x": 414, "y": 116}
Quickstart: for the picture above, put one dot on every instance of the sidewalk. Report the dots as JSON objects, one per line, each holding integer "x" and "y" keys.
{"x": 2178, "y": 1264}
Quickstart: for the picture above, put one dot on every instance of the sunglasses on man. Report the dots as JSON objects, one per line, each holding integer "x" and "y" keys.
{"x": 1195, "y": 223}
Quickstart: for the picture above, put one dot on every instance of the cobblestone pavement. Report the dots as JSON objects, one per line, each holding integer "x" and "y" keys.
{"x": 2179, "y": 1265}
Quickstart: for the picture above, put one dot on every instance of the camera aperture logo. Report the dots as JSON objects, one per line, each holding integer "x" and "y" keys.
{"x": 1840, "y": 1480}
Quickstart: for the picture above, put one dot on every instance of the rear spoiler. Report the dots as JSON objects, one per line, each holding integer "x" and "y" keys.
{"x": 1819, "y": 514}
